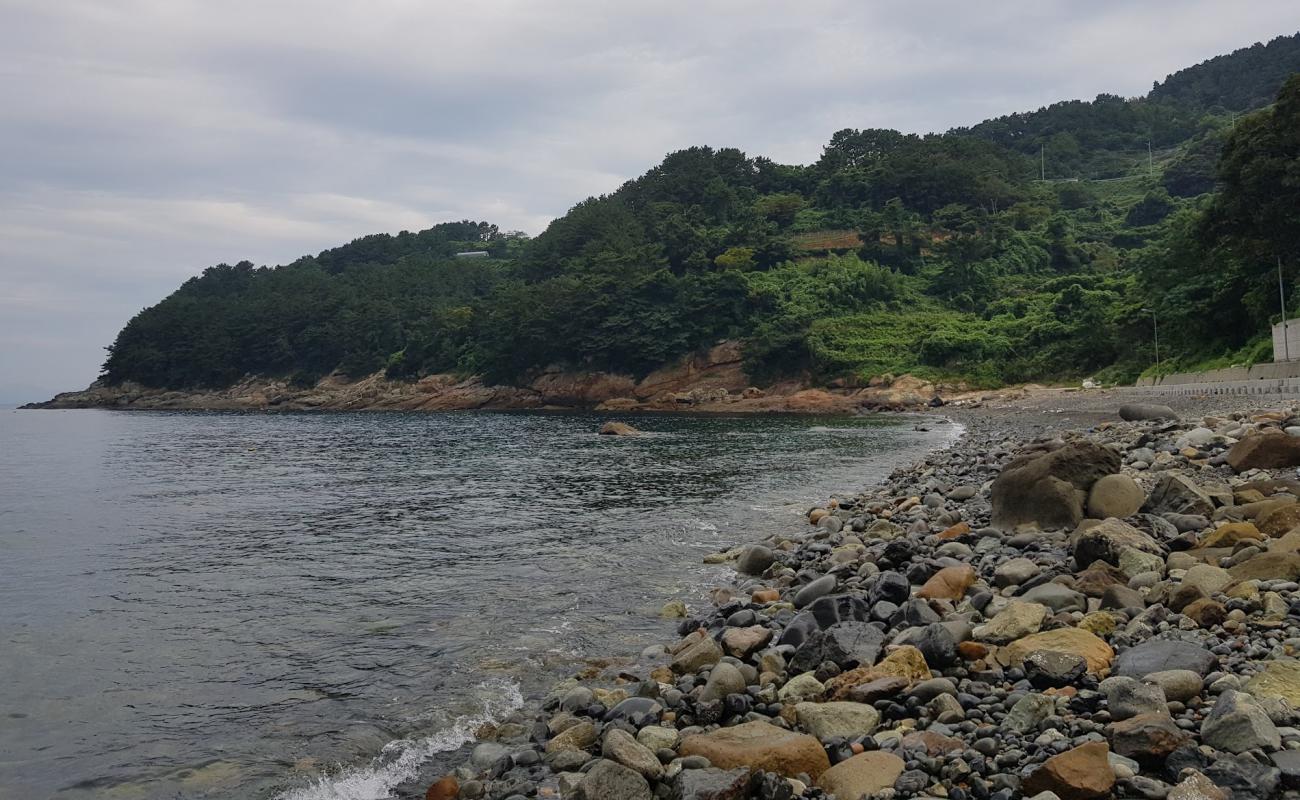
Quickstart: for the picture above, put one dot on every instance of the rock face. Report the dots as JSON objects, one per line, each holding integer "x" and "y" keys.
{"x": 1134, "y": 412}
{"x": 1265, "y": 451}
{"x": 1083, "y": 773}
{"x": 1048, "y": 489}
{"x": 759, "y": 745}
{"x": 862, "y": 775}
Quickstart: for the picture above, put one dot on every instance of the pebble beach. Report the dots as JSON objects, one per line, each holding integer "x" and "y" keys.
{"x": 1076, "y": 600}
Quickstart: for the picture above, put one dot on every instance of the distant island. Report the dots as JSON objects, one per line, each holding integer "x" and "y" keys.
{"x": 1037, "y": 246}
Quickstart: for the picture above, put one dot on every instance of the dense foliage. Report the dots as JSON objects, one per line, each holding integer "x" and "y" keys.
{"x": 944, "y": 255}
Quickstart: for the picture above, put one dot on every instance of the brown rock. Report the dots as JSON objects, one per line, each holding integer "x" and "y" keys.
{"x": 759, "y": 745}
{"x": 906, "y": 662}
{"x": 703, "y": 652}
{"x": 949, "y": 583}
{"x": 1047, "y": 489}
{"x": 1289, "y": 543}
{"x": 1265, "y": 451}
{"x": 956, "y": 531}
{"x": 862, "y": 775}
{"x": 1074, "y": 641}
{"x": 934, "y": 744}
{"x": 765, "y": 596}
{"x": 1229, "y": 535}
{"x": 1268, "y": 566}
{"x": 1096, "y": 579}
{"x": 972, "y": 651}
{"x": 579, "y": 737}
{"x": 743, "y": 642}
{"x": 1206, "y": 612}
{"x": 1147, "y": 737}
{"x": 1279, "y": 521}
{"x": 878, "y": 689}
{"x": 1083, "y": 773}
{"x": 445, "y": 789}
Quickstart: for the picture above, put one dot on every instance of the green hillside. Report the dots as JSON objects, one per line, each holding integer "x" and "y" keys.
{"x": 943, "y": 255}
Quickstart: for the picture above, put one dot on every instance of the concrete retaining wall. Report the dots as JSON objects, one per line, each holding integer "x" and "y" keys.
{"x": 1285, "y": 386}
{"x": 1284, "y": 371}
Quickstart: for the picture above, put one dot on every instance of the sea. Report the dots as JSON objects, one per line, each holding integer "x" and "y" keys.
{"x": 327, "y": 606}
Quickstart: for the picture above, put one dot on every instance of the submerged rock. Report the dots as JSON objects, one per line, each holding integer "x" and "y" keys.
{"x": 618, "y": 429}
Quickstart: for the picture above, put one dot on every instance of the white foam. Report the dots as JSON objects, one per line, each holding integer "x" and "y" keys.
{"x": 401, "y": 760}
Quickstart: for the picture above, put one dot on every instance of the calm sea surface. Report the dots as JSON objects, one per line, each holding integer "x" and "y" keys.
{"x": 325, "y": 606}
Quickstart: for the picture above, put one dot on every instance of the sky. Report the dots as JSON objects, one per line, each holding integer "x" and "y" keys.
{"x": 143, "y": 140}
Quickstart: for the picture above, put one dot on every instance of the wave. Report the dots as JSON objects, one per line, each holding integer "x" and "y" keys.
{"x": 401, "y": 760}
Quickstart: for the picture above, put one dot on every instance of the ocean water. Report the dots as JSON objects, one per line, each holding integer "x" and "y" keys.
{"x": 304, "y": 606}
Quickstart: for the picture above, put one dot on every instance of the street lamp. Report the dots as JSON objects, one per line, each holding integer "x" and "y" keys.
{"x": 1155, "y": 327}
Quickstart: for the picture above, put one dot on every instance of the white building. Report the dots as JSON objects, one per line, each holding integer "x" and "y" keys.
{"x": 1286, "y": 341}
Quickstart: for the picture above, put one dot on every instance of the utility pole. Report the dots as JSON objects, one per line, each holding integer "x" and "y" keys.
{"x": 1042, "y": 162}
{"x": 1155, "y": 338}
{"x": 1281, "y": 295}
{"x": 1151, "y": 162}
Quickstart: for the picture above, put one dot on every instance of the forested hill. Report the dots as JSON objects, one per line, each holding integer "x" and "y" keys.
{"x": 943, "y": 255}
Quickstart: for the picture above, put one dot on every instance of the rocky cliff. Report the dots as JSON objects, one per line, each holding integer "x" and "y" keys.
{"x": 710, "y": 381}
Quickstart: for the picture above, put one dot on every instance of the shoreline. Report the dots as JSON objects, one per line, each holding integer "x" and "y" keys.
{"x": 745, "y": 660}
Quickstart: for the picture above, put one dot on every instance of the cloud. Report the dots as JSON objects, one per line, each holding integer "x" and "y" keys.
{"x": 143, "y": 140}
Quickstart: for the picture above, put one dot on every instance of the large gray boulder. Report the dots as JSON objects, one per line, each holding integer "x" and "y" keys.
{"x": 1237, "y": 724}
{"x": 754, "y": 560}
{"x": 1161, "y": 655}
{"x": 1047, "y": 489}
{"x": 1175, "y": 494}
{"x": 848, "y": 644}
{"x": 1134, "y": 412}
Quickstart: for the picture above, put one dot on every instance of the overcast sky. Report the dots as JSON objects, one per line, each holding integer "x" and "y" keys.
{"x": 142, "y": 140}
